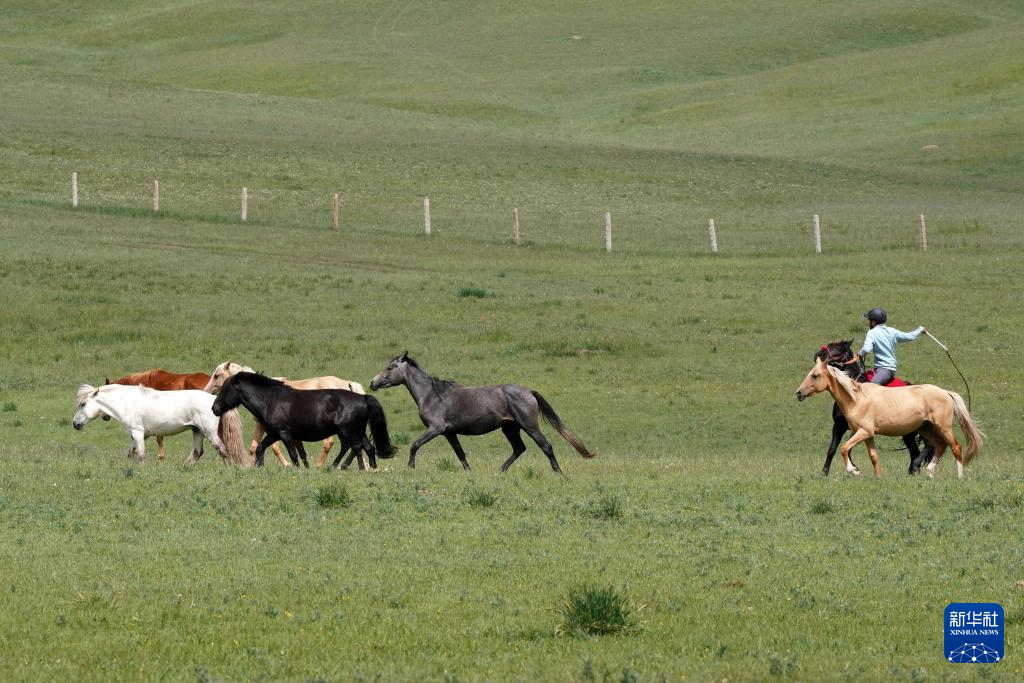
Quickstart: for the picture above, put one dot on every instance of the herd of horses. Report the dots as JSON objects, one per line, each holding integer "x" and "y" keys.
{"x": 160, "y": 403}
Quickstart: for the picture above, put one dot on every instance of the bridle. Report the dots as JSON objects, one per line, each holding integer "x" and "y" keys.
{"x": 841, "y": 362}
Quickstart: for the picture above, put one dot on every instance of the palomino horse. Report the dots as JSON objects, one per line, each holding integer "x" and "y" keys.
{"x": 293, "y": 415}
{"x": 161, "y": 380}
{"x": 894, "y": 411}
{"x": 229, "y": 369}
{"x": 452, "y": 409}
{"x": 147, "y": 412}
{"x": 839, "y": 354}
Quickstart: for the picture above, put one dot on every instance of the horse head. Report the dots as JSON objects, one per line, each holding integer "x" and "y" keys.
{"x": 87, "y": 409}
{"x": 393, "y": 374}
{"x": 222, "y": 373}
{"x": 227, "y": 393}
{"x": 815, "y": 382}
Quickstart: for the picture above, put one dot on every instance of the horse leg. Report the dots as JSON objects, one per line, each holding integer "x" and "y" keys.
{"x": 218, "y": 444}
{"x": 197, "y": 447}
{"x": 512, "y": 433}
{"x": 138, "y": 445}
{"x": 257, "y": 436}
{"x": 453, "y": 441}
{"x": 328, "y": 442}
{"x": 280, "y": 456}
{"x": 937, "y": 443}
{"x": 424, "y": 438}
{"x": 858, "y": 436}
{"x": 295, "y": 449}
{"x": 839, "y": 427}
{"x": 949, "y": 438}
{"x": 545, "y": 445}
{"x": 160, "y": 445}
{"x": 263, "y": 445}
{"x": 369, "y": 450}
{"x": 873, "y": 454}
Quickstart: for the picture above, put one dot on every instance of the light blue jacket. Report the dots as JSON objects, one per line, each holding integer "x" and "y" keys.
{"x": 882, "y": 340}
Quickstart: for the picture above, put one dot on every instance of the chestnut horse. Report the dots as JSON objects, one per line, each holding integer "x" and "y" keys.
{"x": 894, "y": 411}
{"x": 161, "y": 380}
{"x": 229, "y": 369}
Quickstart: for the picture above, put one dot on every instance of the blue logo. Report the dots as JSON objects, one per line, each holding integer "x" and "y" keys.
{"x": 974, "y": 633}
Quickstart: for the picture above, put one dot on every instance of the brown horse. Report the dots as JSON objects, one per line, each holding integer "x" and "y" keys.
{"x": 161, "y": 380}
{"x": 894, "y": 411}
{"x": 229, "y": 369}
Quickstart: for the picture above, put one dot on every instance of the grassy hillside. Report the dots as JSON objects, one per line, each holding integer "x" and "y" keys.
{"x": 679, "y": 367}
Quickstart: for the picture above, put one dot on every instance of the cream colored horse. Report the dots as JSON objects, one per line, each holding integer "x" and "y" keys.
{"x": 894, "y": 411}
{"x": 228, "y": 369}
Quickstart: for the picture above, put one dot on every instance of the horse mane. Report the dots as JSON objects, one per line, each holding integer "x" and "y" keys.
{"x": 439, "y": 385}
{"x": 845, "y": 381}
{"x": 258, "y": 379}
{"x": 83, "y": 392}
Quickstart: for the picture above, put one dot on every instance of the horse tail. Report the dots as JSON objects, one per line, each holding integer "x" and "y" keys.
{"x": 974, "y": 436}
{"x": 356, "y": 388}
{"x": 379, "y": 429}
{"x": 230, "y": 432}
{"x": 552, "y": 417}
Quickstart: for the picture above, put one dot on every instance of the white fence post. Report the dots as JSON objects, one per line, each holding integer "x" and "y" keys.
{"x": 426, "y": 216}
{"x": 924, "y": 234}
{"x": 336, "y": 211}
{"x": 817, "y": 235}
{"x": 245, "y": 204}
{"x": 608, "y": 231}
{"x": 156, "y": 196}
{"x": 74, "y": 190}
{"x": 515, "y": 226}
{"x": 712, "y": 235}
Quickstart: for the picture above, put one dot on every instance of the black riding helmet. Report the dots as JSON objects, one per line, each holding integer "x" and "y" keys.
{"x": 877, "y": 314}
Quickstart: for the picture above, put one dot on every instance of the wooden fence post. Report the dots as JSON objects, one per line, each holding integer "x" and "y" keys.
{"x": 515, "y": 227}
{"x": 336, "y": 210}
{"x": 608, "y": 231}
{"x": 817, "y": 235}
{"x": 245, "y": 204}
{"x": 74, "y": 190}
{"x": 156, "y": 196}
{"x": 712, "y": 235}
{"x": 426, "y": 216}
{"x": 924, "y": 234}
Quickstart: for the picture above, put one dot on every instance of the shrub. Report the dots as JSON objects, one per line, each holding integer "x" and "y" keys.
{"x": 475, "y": 293}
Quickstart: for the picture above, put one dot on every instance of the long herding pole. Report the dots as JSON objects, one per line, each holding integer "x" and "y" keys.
{"x": 950, "y": 357}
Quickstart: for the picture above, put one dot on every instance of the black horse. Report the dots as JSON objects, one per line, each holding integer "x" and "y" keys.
{"x": 839, "y": 354}
{"x": 293, "y": 416}
{"x": 451, "y": 409}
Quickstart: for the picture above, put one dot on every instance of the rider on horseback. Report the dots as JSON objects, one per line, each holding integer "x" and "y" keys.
{"x": 881, "y": 340}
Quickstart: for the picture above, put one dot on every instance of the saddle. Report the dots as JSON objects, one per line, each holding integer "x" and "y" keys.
{"x": 894, "y": 382}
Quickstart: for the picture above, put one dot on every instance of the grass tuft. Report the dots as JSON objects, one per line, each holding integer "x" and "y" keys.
{"x": 332, "y": 495}
{"x": 448, "y": 464}
{"x": 595, "y": 611}
{"x": 609, "y": 506}
{"x": 479, "y": 498}
{"x": 475, "y": 293}
{"x": 823, "y": 507}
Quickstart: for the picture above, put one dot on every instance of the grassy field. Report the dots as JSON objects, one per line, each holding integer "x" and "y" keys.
{"x": 705, "y": 505}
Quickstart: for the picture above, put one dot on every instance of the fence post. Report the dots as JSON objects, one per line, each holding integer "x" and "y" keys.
{"x": 245, "y": 204}
{"x": 817, "y": 235}
{"x": 711, "y": 234}
{"x": 924, "y": 234}
{"x": 336, "y": 210}
{"x": 608, "y": 231}
{"x": 426, "y": 216}
{"x": 74, "y": 190}
{"x": 156, "y": 196}
{"x": 515, "y": 226}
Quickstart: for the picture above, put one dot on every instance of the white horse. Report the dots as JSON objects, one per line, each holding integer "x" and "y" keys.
{"x": 147, "y": 412}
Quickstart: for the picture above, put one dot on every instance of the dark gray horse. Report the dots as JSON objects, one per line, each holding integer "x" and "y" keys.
{"x": 451, "y": 409}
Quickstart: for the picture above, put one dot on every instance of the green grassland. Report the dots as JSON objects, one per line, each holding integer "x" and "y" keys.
{"x": 705, "y": 504}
